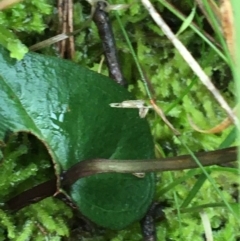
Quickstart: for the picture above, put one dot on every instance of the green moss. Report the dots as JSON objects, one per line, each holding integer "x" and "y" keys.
{"x": 27, "y": 163}
{"x": 25, "y": 17}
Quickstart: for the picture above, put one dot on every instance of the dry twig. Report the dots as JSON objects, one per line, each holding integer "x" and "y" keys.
{"x": 66, "y": 46}
{"x": 227, "y": 25}
{"x": 216, "y": 129}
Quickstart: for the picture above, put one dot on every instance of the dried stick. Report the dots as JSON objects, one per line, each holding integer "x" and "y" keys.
{"x": 70, "y": 29}
{"x": 94, "y": 166}
{"x": 101, "y": 19}
{"x": 216, "y": 129}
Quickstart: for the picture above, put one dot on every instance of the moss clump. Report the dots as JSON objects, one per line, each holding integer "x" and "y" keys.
{"x": 22, "y": 20}
{"x": 27, "y": 16}
{"x": 25, "y": 164}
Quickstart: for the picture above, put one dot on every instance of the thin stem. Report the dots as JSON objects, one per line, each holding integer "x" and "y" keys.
{"x": 101, "y": 19}
{"x": 91, "y": 167}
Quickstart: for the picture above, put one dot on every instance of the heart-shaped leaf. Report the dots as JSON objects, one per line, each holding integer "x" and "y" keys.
{"x": 67, "y": 107}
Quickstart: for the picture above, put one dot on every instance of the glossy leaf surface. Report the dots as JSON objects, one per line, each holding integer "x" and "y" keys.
{"x": 67, "y": 108}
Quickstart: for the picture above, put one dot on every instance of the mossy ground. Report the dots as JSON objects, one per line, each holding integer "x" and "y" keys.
{"x": 176, "y": 89}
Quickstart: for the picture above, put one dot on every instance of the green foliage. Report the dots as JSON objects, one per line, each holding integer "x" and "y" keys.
{"x": 25, "y": 17}
{"x": 8, "y": 224}
{"x": 81, "y": 124}
{"x": 26, "y": 163}
{"x": 24, "y": 170}
{"x": 179, "y": 94}
{"x": 169, "y": 80}
{"x": 10, "y": 42}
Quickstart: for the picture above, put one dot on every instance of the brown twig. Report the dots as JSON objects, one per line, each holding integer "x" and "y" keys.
{"x": 101, "y": 19}
{"x": 216, "y": 129}
{"x": 228, "y": 25}
{"x": 91, "y": 167}
{"x": 66, "y": 46}
{"x": 70, "y": 29}
{"x": 159, "y": 111}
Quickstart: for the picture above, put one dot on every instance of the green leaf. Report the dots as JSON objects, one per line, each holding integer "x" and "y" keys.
{"x": 186, "y": 23}
{"x": 67, "y": 107}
